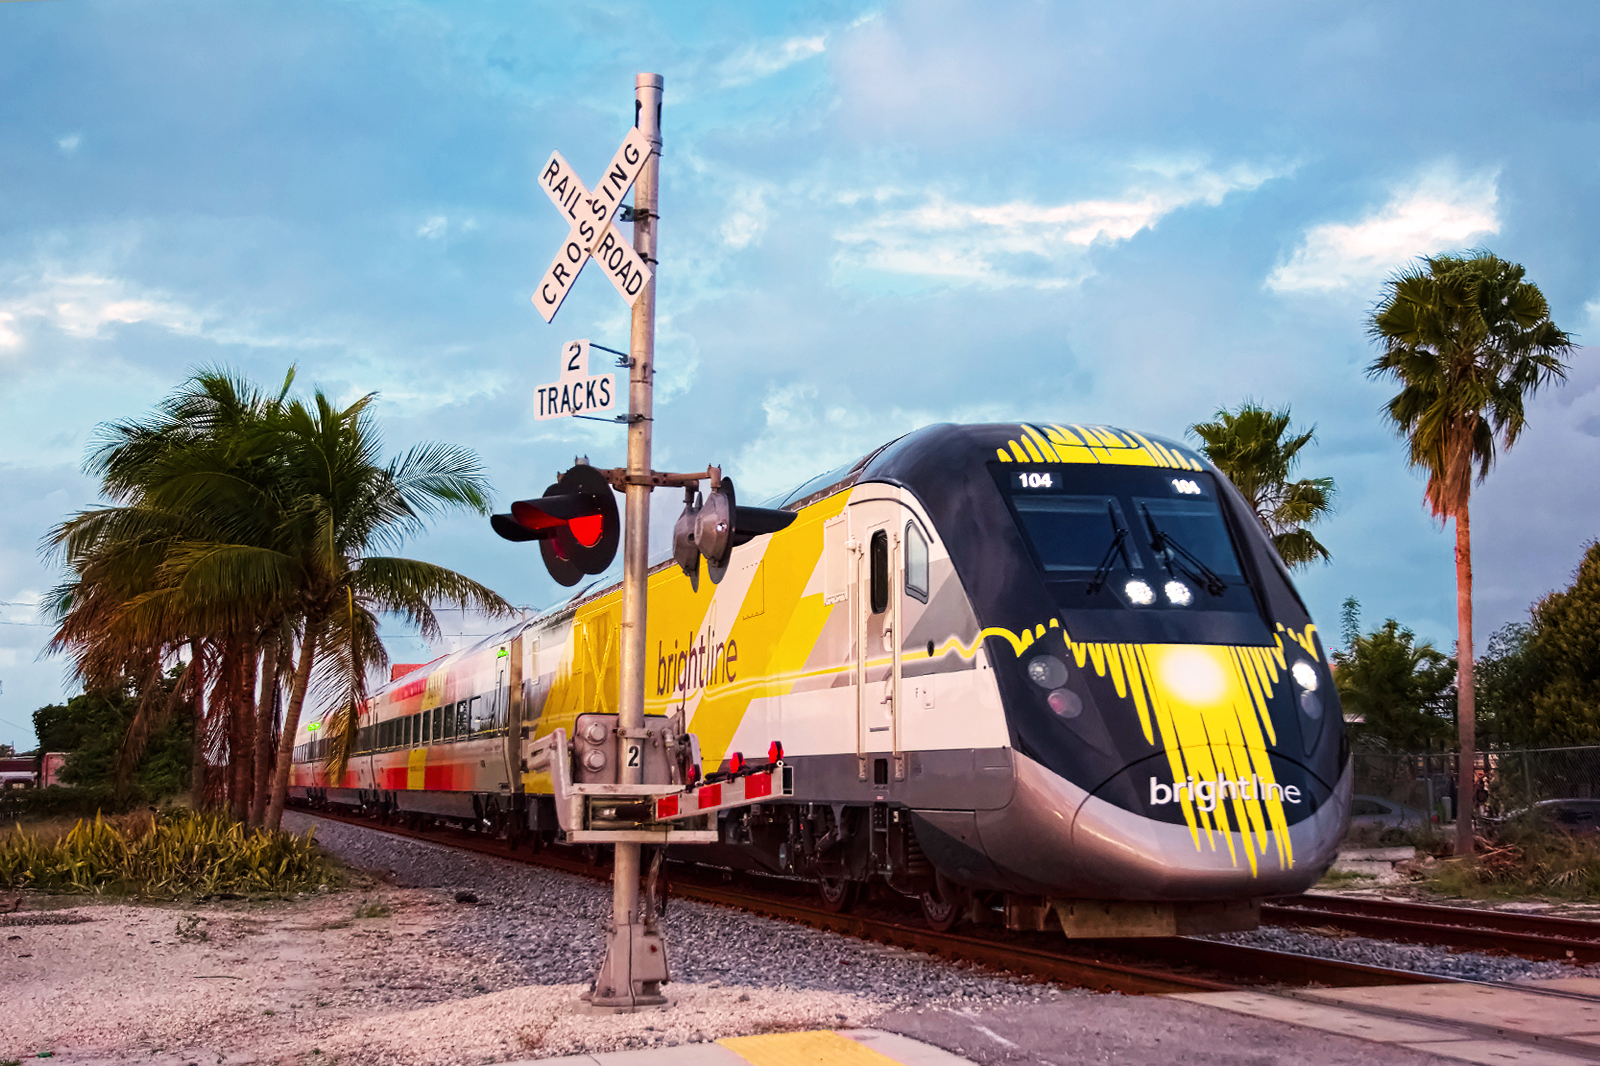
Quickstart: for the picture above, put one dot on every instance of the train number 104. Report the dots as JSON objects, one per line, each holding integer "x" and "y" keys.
{"x": 1035, "y": 479}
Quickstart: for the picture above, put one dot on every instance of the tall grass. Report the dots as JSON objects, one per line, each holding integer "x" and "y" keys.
{"x": 181, "y": 853}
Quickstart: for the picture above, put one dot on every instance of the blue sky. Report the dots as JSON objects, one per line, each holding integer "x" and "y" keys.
{"x": 875, "y": 216}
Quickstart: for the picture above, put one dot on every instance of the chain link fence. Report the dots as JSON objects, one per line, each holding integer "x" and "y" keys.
{"x": 1508, "y": 781}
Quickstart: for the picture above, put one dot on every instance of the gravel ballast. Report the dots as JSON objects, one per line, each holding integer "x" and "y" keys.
{"x": 533, "y": 925}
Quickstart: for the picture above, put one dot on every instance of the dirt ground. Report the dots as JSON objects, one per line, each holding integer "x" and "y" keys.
{"x": 310, "y": 981}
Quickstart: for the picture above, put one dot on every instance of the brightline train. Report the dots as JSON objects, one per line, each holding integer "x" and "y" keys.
{"x": 1030, "y": 671}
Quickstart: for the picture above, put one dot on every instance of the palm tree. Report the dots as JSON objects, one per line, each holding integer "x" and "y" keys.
{"x": 1468, "y": 340}
{"x": 341, "y": 504}
{"x": 197, "y": 470}
{"x": 1249, "y": 446}
{"x": 244, "y": 531}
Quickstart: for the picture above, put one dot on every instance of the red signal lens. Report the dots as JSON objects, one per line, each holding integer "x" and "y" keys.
{"x": 736, "y": 762}
{"x": 775, "y": 752}
{"x": 586, "y": 529}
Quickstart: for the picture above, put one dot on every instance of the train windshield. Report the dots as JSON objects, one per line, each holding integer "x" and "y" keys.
{"x": 1134, "y": 553}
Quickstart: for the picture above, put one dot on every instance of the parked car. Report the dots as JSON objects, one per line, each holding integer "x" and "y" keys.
{"x": 1380, "y": 813}
{"x": 1576, "y": 816}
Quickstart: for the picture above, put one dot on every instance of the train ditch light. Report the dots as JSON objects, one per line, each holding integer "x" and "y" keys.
{"x": 710, "y": 527}
{"x": 575, "y": 523}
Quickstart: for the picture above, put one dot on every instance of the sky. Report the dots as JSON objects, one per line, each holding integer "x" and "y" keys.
{"x": 874, "y": 216}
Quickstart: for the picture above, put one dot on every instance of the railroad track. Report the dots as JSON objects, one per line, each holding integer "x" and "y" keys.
{"x": 1143, "y": 966}
{"x": 1465, "y": 928}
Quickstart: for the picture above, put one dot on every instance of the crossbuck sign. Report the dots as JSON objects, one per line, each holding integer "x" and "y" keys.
{"x": 592, "y": 234}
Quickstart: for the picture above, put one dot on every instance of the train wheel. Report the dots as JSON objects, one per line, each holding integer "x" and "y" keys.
{"x": 838, "y": 893}
{"x": 942, "y": 905}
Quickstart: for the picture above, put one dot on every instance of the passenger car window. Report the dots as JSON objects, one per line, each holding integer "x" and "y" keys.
{"x": 880, "y": 571}
{"x": 916, "y": 563}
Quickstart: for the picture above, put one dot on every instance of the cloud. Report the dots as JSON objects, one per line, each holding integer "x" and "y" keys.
{"x": 1437, "y": 211}
{"x": 1020, "y": 242}
{"x": 88, "y": 306}
{"x": 746, "y": 221}
{"x": 69, "y": 143}
{"x": 434, "y": 228}
{"x": 764, "y": 59}
{"x": 805, "y": 436}
{"x": 84, "y": 305}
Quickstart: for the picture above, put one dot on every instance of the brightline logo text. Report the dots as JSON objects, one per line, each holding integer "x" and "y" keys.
{"x": 1207, "y": 793}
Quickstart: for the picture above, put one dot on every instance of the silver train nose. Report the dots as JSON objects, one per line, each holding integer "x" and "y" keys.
{"x": 1056, "y": 839}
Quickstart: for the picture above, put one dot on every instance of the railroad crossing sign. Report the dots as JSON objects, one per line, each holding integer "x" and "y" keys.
{"x": 592, "y": 234}
{"x": 577, "y": 393}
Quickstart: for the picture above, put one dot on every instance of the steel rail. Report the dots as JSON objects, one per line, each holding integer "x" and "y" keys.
{"x": 1467, "y": 928}
{"x": 1138, "y": 967}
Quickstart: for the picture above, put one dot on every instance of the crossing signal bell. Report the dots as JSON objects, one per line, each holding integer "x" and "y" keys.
{"x": 715, "y": 525}
{"x": 575, "y": 523}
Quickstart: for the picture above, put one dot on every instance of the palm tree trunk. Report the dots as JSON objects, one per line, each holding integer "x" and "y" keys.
{"x": 291, "y": 723}
{"x": 241, "y": 751}
{"x": 197, "y": 757}
{"x": 263, "y": 728}
{"x": 1466, "y": 709}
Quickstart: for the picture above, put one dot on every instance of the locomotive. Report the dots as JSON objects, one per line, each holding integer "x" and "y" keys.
{"x": 1030, "y": 673}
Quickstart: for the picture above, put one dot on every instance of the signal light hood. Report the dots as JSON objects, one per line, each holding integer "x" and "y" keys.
{"x": 575, "y": 522}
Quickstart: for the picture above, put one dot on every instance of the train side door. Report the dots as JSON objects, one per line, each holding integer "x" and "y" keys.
{"x": 877, "y": 615}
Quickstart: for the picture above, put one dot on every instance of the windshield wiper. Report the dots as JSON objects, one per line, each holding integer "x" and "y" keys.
{"x": 1117, "y": 547}
{"x": 1164, "y": 545}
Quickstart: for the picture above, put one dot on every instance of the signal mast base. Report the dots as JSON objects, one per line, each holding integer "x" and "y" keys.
{"x": 632, "y": 972}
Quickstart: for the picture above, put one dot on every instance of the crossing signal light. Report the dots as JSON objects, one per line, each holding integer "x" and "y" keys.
{"x": 715, "y": 525}
{"x": 575, "y": 523}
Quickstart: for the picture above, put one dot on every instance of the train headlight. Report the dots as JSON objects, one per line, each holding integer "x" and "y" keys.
{"x": 1139, "y": 593}
{"x": 1305, "y": 675}
{"x": 1047, "y": 671}
{"x": 1178, "y": 593}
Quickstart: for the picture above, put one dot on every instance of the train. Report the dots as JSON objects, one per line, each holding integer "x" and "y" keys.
{"x": 1033, "y": 673}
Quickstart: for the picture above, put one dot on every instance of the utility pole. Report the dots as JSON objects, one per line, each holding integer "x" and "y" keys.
{"x": 633, "y": 943}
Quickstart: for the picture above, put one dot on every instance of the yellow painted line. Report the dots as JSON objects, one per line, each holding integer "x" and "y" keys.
{"x": 821, "y": 1047}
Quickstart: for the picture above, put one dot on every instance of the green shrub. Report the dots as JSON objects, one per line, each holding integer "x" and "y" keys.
{"x": 179, "y": 853}
{"x": 57, "y": 802}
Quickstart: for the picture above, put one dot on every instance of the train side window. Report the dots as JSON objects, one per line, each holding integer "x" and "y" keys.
{"x": 916, "y": 563}
{"x": 463, "y": 719}
{"x": 481, "y": 719}
{"x": 880, "y": 571}
{"x": 438, "y": 723}
{"x": 416, "y": 730}
{"x": 449, "y": 712}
